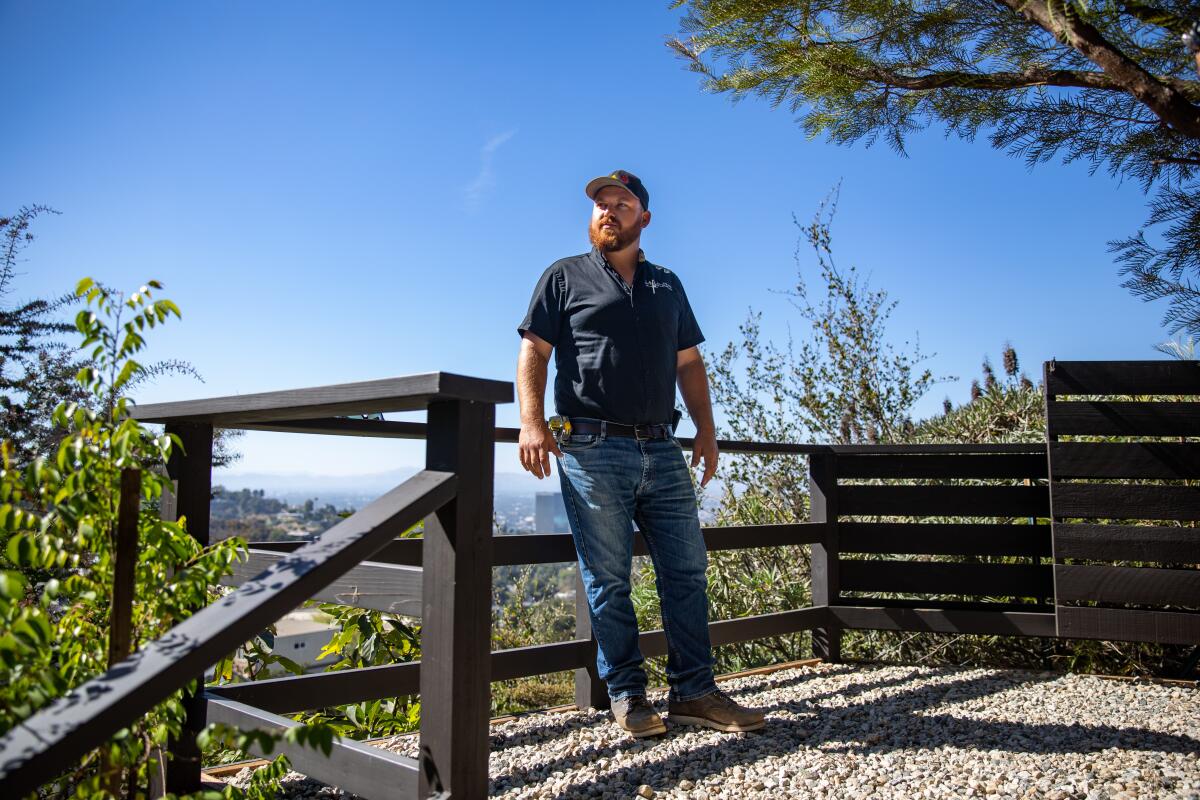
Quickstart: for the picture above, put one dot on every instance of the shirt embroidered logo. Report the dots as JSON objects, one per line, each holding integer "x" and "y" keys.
{"x": 654, "y": 286}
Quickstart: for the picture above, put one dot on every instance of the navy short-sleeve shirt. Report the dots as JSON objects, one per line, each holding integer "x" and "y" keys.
{"x": 615, "y": 345}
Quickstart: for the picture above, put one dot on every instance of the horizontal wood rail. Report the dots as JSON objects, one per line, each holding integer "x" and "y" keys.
{"x": 944, "y": 501}
{"x": 943, "y": 620}
{"x": 949, "y": 539}
{"x": 557, "y": 548}
{"x": 1157, "y": 377}
{"x": 406, "y": 393}
{"x": 308, "y": 692}
{"x": 1128, "y": 543}
{"x": 398, "y": 429}
{"x": 940, "y": 577}
{"x": 354, "y": 767}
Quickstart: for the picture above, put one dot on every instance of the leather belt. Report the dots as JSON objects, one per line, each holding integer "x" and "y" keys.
{"x": 655, "y": 431}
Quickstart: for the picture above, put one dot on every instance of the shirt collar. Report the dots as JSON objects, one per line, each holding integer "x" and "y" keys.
{"x": 599, "y": 258}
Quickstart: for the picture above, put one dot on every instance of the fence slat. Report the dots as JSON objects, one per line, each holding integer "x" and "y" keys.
{"x": 945, "y": 539}
{"x": 1166, "y": 460}
{"x": 1132, "y": 585}
{"x": 944, "y": 501}
{"x": 1125, "y": 501}
{"x": 1128, "y": 625}
{"x": 1128, "y": 543}
{"x": 1004, "y": 623}
{"x": 1147, "y": 377}
{"x": 942, "y": 466}
{"x": 1079, "y": 418}
{"x": 940, "y": 577}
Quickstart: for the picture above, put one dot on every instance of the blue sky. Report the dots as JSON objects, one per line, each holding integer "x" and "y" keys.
{"x": 347, "y": 191}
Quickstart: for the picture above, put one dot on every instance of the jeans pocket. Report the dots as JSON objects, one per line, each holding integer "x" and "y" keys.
{"x": 580, "y": 441}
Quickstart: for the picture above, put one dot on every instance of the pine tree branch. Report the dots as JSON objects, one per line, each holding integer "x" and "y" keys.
{"x": 1155, "y": 16}
{"x": 1191, "y": 162}
{"x": 1062, "y": 21}
{"x": 999, "y": 81}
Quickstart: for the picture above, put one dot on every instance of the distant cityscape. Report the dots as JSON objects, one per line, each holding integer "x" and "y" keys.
{"x": 258, "y": 515}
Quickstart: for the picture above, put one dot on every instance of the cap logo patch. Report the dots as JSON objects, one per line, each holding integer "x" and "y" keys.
{"x": 623, "y": 177}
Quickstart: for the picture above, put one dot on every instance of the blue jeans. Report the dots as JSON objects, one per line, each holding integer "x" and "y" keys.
{"x": 608, "y": 482}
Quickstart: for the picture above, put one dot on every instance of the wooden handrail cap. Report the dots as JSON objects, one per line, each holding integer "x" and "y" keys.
{"x": 403, "y": 393}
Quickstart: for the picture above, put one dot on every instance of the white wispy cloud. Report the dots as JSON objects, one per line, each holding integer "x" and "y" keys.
{"x": 486, "y": 178}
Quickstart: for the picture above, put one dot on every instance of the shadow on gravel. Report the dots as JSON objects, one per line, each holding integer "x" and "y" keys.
{"x": 899, "y": 721}
{"x": 546, "y": 733}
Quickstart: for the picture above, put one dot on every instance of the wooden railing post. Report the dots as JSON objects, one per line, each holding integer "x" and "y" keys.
{"x": 590, "y": 691}
{"x": 456, "y": 624}
{"x": 826, "y": 587}
{"x": 120, "y": 625}
{"x": 192, "y": 469}
{"x": 125, "y": 555}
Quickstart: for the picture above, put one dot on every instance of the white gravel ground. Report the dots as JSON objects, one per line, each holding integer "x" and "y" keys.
{"x": 843, "y": 731}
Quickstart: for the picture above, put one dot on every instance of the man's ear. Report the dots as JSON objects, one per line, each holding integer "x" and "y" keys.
{"x": 645, "y": 219}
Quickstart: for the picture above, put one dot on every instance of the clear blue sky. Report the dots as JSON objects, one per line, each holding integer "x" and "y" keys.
{"x": 346, "y": 191}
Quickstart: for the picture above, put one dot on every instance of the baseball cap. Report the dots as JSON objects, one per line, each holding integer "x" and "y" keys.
{"x": 623, "y": 179}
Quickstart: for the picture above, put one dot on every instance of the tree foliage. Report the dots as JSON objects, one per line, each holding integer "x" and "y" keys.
{"x": 58, "y": 521}
{"x": 37, "y": 370}
{"x": 844, "y": 382}
{"x": 850, "y": 386}
{"x": 1107, "y": 82}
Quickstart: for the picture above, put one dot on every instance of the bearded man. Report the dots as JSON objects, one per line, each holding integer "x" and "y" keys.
{"x": 623, "y": 334}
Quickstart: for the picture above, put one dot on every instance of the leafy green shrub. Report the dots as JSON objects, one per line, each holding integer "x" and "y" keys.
{"x": 58, "y": 521}
{"x": 846, "y": 385}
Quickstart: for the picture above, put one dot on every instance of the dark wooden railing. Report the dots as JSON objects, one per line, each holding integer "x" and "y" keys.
{"x": 939, "y": 538}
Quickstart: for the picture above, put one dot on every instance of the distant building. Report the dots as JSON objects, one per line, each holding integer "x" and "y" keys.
{"x": 299, "y": 637}
{"x": 550, "y": 515}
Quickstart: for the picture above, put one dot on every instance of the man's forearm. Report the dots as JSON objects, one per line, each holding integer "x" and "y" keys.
{"x": 531, "y": 385}
{"x": 693, "y": 385}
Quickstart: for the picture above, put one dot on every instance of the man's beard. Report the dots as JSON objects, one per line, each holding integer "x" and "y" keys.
{"x": 609, "y": 239}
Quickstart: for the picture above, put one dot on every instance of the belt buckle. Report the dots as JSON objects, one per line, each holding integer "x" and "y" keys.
{"x": 637, "y": 433}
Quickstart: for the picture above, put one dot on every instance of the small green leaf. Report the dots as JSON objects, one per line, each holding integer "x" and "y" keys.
{"x": 12, "y": 585}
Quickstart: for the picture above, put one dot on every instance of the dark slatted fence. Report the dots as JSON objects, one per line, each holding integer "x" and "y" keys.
{"x": 951, "y": 539}
{"x": 1125, "y": 492}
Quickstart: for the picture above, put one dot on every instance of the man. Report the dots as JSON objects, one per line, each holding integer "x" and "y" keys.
{"x": 623, "y": 333}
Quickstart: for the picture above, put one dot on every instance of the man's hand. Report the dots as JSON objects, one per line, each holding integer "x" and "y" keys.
{"x": 535, "y": 445}
{"x": 536, "y": 442}
{"x": 705, "y": 446}
{"x": 693, "y": 385}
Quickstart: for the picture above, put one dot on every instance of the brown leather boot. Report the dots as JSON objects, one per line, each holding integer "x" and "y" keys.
{"x": 716, "y": 710}
{"x": 636, "y": 715}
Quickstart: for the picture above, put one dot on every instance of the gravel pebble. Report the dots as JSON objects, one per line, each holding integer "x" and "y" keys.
{"x": 858, "y": 732}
